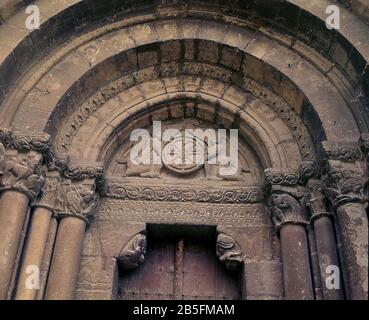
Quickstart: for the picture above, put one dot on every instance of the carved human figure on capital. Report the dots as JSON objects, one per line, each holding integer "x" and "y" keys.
{"x": 76, "y": 200}
{"x": 286, "y": 208}
{"x": 24, "y": 174}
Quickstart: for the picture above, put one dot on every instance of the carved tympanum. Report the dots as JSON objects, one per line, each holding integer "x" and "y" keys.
{"x": 23, "y": 175}
{"x": 228, "y": 251}
{"x": 286, "y": 208}
{"x": 133, "y": 253}
{"x": 76, "y": 200}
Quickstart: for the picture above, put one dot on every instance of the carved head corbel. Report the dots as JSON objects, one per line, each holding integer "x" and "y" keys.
{"x": 228, "y": 251}
{"x": 133, "y": 253}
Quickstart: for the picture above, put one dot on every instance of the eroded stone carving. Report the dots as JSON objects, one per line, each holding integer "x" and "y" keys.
{"x": 286, "y": 177}
{"x": 183, "y": 194}
{"x": 285, "y": 112}
{"x": 48, "y": 193}
{"x": 39, "y": 142}
{"x": 133, "y": 253}
{"x": 340, "y": 151}
{"x": 23, "y": 175}
{"x": 316, "y": 199}
{"x": 286, "y": 208}
{"x": 168, "y": 212}
{"x": 228, "y": 251}
{"x": 346, "y": 185}
{"x": 76, "y": 200}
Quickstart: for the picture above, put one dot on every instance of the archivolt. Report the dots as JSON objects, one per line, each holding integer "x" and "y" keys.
{"x": 301, "y": 80}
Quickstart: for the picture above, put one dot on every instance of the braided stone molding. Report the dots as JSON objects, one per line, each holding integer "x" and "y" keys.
{"x": 40, "y": 142}
{"x": 348, "y": 152}
{"x": 289, "y": 177}
{"x": 183, "y": 194}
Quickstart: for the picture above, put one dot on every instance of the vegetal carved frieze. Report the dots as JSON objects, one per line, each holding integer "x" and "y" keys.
{"x": 183, "y": 194}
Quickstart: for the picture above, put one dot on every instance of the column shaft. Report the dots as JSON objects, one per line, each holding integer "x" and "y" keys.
{"x": 327, "y": 253}
{"x": 353, "y": 225}
{"x": 46, "y": 260}
{"x": 66, "y": 259}
{"x": 34, "y": 251}
{"x": 296, "y": 264}
{"x": 13, "y": 209}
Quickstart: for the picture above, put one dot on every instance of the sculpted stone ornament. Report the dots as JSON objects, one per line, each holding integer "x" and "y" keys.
{"x": 286, "y": 208}
{"x": 316, "y": 199}
{"x": 286, "y": 177}
{"x": 23, "y": 175}
{"x": 346, "y": 186}
{"x": 341, "y": 151}
{"x": 48, "y": 193}
{"x": 228, "y": 251}
{"x": 133, "y": 253}
{"x": 76, "y": 201}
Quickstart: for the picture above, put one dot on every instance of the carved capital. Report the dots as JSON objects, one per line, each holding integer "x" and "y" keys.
{"x": 287, "y": 209}
{"x": 347, "y": 152}
{"x": 228, "y": 251}
{"x": 345, "y": 186}
{"x": 133, "y": 253}
{"x": 76, "y": 200}
{"x": 48, "y": 193}
{"x": 22, "y": 173}
{"x": 316, "y": 200}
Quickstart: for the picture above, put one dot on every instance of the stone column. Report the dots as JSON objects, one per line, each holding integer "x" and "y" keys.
{"x": 43, "y": 210}
{"x": 346, "y": 193}
{"x": 326, "y": 245}
{"x": 75, "y": 203}
{"x": 21, "y": 182}
{"x": 290, "y": 221}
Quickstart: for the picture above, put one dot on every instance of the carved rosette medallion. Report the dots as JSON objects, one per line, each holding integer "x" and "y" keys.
{"x": 228, "y": 251}
{"x": 75, "y": 201}
{"x": 133, "y": 253}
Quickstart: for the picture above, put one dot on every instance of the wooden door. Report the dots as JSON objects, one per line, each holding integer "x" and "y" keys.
{"x": 180, "y": 269}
